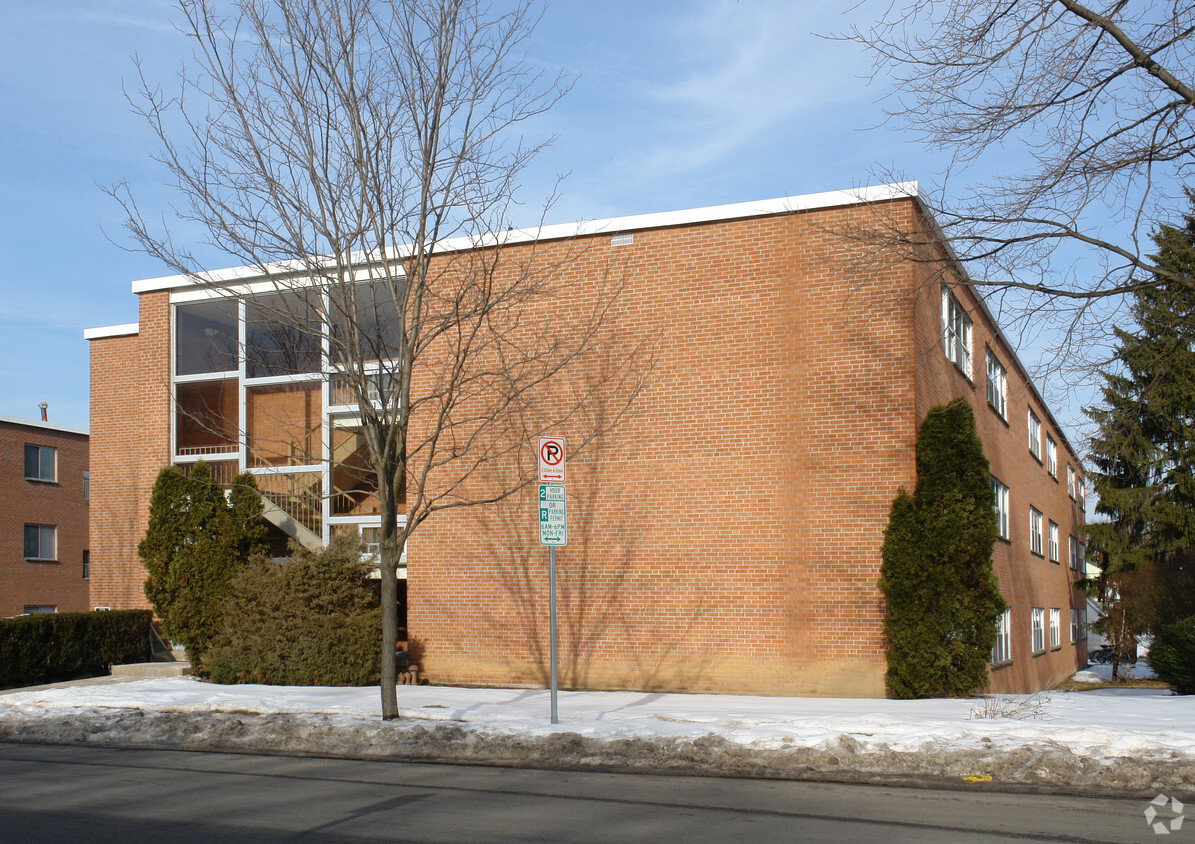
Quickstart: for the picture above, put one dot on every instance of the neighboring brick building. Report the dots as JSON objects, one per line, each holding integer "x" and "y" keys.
{"x": 43, "y": 517}
{"x": 727, "y": 537}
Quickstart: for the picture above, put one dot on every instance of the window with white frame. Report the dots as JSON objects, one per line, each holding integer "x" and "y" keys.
{"x": 1000, "y": 492}
{"x": 1055, "y": 627}
{"x": 1081, "y": 490}
{"x": 1081, "y": 564}
{"x": 1075, "y": 626}
{"x": 956, "y": 333}
{"x": 41, "y": 543}
{"x": 1051, "y": 456}
{"x": 1034, "y": 434}
{"x": 41, "y": 463}
{"x": 997, "y": 384}
{"x": 1035, "y": 531}
{"x": 1073, "y": 553}
{"x": 1037, "y": 620}
{"x": 1054, "y": 550}
{"x": 87, "y": 486}
{"x": 1002, "y": 650}
{"x": 1070, "y": 481}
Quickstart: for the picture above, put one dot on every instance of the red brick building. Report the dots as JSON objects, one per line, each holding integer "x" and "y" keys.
{"x": 43, "y": 518}
{"x": 727, "y": 536}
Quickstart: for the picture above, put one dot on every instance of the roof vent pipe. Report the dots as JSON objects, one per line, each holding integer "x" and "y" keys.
{"x": 45, "y": 417}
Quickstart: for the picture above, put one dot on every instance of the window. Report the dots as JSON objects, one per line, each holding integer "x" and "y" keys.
{"x": 1081, "y": 489}
{"x": 1070, "y": 481}
{"x": 1055, "y": 628}
{"x": 1002, "y": 650}
{"x": 1073, "y": 553}
{"x": 87, "y": 486}
{"x": 997, "y": 384}
{"x": 41, "y": 463}
{"x": 1076, "y": 626}
{"x": 39, "y": 609}
{"x": 1034, "y": 531}
{"x": 1054, "y": 543}
{"x": 1051, "y": 456}
{"x": 1034, "y": 435}
{"x": 1080, "y": 566}
{"x": 205, "y": 337}
{"x": 86, "y": 564}
{"x": 1038, "y": 626}
{"x": 41, "y": 542}
{"x": 1000, "y": 491}
{"x": 956, "y": 333}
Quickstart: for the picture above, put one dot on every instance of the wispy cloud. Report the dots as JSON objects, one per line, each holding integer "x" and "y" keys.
{"x": 154, "y": 16}
{"x": 751, "y": 67}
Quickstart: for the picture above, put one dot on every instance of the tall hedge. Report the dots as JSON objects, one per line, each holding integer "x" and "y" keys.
{"x": 942, "y": 598}
{"x": 314, "y": 620}
{"x": 195, "y": 544}
{"x": 58, "y": 646}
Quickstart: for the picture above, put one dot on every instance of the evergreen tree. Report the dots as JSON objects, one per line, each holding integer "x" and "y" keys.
{"x": 194, "y": 545}
{"x": 942, "y": 597}
{"x": 1143, "y": 455}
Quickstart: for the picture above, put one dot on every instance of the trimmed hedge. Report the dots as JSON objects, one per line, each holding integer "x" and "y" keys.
{"x": 314, "y": 620}
{"x": 58, "y": 646}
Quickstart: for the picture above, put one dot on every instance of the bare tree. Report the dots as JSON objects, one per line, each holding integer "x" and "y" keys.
{"x": 360, "y": 154}
{"x": 1100, "y": 97}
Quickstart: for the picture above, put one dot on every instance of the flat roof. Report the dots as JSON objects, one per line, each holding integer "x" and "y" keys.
{"x": 111, "y": 331}
{"x": 636, "y": 222}
{"x": 48, "y": 426}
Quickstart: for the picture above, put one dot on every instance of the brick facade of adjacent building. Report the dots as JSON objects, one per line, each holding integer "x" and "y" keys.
{"x": 727, "y": 535}
{"x": 52, "y": 500}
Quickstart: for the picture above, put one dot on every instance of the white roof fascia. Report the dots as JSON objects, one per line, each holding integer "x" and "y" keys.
{"x": 638, "y": 222}
{"x": 34, "y": 423}
{"x": 111, "y": 331}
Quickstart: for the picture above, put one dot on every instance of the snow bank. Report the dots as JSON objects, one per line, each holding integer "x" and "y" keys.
{"x": 1135, "y": 740}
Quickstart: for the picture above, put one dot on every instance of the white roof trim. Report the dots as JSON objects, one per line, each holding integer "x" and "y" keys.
{"x": 35, "y": 423}
{"x": 638, "y": 222}
{"x": 111, "y": 331}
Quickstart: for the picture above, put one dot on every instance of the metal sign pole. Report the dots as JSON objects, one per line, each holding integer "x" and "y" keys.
{"x": 552, "y": 623}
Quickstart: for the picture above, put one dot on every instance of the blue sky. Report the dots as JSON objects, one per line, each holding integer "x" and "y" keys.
{"x": 676, "y": 105}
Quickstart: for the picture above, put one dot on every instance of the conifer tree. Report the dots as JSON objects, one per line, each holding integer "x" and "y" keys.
{"x": 1143, "y": 455}
{"x": 195, "y": 543}
{"x": 942, "y": 597}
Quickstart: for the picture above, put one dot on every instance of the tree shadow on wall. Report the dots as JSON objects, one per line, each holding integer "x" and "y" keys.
{"x": 604, "y": 641}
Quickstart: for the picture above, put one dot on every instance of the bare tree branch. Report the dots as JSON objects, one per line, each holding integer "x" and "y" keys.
{"x": 334, "y": 147}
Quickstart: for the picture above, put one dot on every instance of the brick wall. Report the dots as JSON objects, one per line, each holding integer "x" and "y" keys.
{"x": 130, "y": 429}
{"x": 727, "y": 535}
{"x": 1027, "y": 579}
{"x": 59, "y": 503}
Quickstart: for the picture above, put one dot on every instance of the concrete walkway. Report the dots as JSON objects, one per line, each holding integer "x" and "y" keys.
{"x": 120, "y": 674}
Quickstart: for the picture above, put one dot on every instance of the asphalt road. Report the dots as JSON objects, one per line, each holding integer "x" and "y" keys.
{"x": 59, "y": 793}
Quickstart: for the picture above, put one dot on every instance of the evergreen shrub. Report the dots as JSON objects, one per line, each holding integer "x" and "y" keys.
{"x": 58, "y": 646}
{"x": 942, "y": 598}
{"x": 314, "y": 620}
{"x": 1172, "y": 655}
{"x": 196, "y": 542}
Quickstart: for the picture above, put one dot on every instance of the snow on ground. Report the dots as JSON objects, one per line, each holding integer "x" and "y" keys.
{"x": 1124, "y": 739}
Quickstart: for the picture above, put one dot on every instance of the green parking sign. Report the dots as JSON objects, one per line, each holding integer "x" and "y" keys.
{"x": 553, "y": 524}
